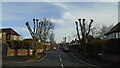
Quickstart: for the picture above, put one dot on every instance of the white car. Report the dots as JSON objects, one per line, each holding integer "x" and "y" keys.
{"x": 54, "y": 48}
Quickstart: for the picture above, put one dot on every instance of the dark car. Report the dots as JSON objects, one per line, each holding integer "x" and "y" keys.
{"x": 66, "y": 49}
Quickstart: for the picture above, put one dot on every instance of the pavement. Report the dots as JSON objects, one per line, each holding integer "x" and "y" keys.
{"x": 55, "y": 59}
{"x": 15, "y": 59}
{"x": 96, "y": 61}
{"x": 21, "y": 59}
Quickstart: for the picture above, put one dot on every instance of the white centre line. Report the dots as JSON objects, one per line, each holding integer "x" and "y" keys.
{"x": 62, "y": 65}
{"x": 60, "y": 60}
{"x": 59, "y": 55}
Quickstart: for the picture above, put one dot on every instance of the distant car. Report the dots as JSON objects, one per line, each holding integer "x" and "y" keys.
{"x": 54, "y": 48}
{"x": 66, "y": 49}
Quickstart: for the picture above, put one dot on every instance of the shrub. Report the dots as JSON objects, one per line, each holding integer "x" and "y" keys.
{"x": 14, "y": 44}
{"x": 113, "y": 46}
{"x": 96, "y": 46}
{"x": 40, "y": 45}
{"x": 28, "y": 44}
{"x": 19, "y": 44}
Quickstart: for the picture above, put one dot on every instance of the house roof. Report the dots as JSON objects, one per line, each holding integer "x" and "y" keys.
{"x": 116, "y": 28}
{"x": 10, "y": 31}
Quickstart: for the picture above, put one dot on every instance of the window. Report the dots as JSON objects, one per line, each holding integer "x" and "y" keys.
{"x": 7, "y": 37}
{"x": 0, "y": 35}
{"x": 15, "y": 37}
{"x": 116, "y": 35}
{"x": 119, "y": 34}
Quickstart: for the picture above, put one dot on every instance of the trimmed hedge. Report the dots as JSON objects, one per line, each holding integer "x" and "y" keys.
{"x": 19, "y": 44}
{"x": 111, "y": 46}
{"x": 14, "y": 44}
{"x": 40, "y": 45}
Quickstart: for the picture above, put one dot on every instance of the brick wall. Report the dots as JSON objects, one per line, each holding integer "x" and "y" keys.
{"x": 21, "y": 52}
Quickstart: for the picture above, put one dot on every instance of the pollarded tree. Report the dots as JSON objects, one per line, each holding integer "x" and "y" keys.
{"x": 85, "y": 30}
{"x": 40, "y": 31}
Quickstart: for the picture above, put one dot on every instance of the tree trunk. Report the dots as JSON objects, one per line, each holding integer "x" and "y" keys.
{"x": 16, "y": 52}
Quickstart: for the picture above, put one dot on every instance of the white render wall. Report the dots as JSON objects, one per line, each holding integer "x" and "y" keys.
{"x": 113, "y": 35}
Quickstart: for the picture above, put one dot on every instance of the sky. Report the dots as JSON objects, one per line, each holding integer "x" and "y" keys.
{"x": 63, "y": 14}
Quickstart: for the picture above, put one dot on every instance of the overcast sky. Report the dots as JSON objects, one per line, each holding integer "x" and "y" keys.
{"x": 63, "y": 14}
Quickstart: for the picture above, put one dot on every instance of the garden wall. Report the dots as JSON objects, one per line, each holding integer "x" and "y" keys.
{"x": 21, "y": 52}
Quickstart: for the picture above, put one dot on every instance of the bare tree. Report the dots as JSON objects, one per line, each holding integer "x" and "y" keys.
{"x": 95, "y": 31}
{"x": 100, "y": 32}
{"x": 46, "y": 29}
{"x": 51, "y": 37}
{"x": 84, "y": 30}
{"x": 40, "y": 31}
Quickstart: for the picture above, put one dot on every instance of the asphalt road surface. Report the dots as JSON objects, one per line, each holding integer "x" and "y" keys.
{"x": 55, "y": 59}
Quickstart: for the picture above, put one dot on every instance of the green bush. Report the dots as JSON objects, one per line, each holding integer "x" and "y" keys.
{"x": 111, "y": 46}
{"x": 28, "y": 44}
{"x": 40, "y": 45}
{"x": 19, "y": 44}
{"x": 98, "y": 44}
{"x": 14, "y": 44}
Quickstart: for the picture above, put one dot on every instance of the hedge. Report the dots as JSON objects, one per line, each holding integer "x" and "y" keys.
{"x": 19, "y": 44}
{"x": 111, "y": 46}
{"x": 40, "y": 45}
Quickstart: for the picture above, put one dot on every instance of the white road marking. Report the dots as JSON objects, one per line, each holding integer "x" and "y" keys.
{"x": 59, "y": 55}
{"x": 62, "y": 65}
{"x": 45, "y": 55}
{"x": 60, "y": 60}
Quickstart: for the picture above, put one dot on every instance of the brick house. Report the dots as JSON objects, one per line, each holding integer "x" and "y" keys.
{"x": 114, "y": 32}
{"x": 8, "y": 34}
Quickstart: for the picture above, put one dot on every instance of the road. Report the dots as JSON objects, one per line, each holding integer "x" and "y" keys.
{"x": 56, "y": 59}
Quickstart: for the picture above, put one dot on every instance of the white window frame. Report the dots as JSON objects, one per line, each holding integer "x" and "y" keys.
{"x": 0, "y": 35}
{"x": 15, "y": 37}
